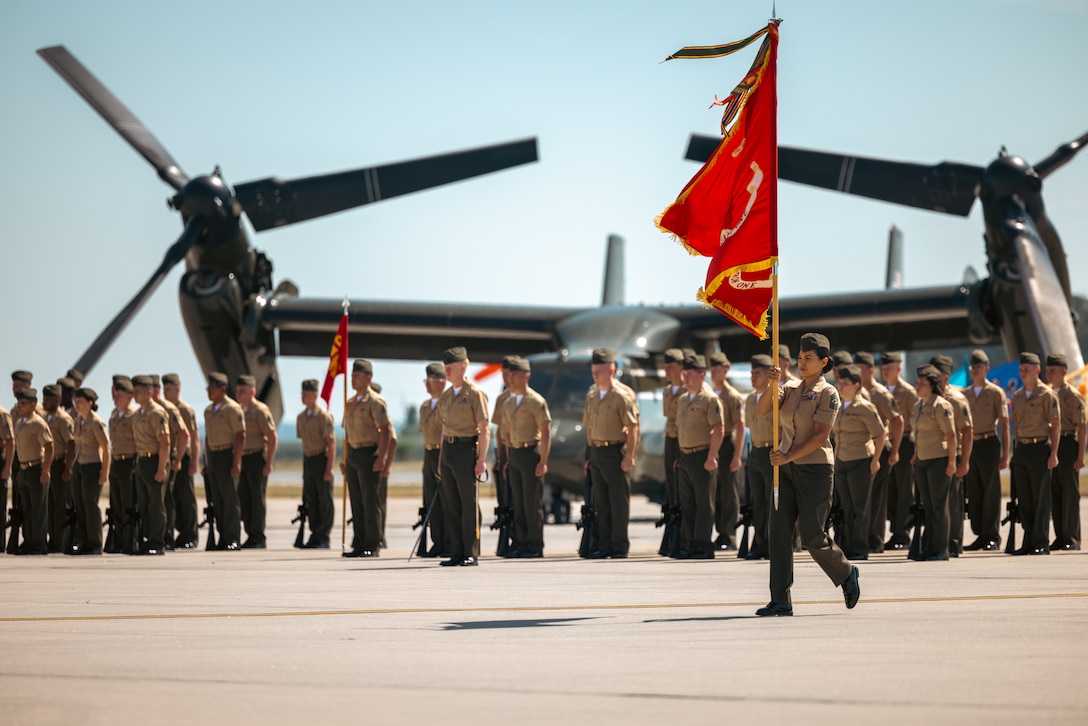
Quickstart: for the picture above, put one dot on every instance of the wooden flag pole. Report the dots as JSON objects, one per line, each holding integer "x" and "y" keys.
{"x": 774, "y": 384}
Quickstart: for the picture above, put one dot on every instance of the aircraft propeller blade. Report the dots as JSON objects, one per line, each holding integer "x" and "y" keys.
{"x": 1061, "y": 156}
{"x": 116, "y": 114}
{"x": 274, "y": 202}
{"x": 948, "y": 187}
{"x": 174, "y": 255}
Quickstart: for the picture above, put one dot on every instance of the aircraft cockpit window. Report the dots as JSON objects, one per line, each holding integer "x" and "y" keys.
{"x": 564, "y": 386}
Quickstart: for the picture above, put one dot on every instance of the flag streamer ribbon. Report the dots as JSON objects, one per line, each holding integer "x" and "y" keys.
{"x": 729, "y": 210}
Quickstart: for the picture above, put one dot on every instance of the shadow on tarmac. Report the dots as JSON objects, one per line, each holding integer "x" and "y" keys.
{"x": 501, "y": 624}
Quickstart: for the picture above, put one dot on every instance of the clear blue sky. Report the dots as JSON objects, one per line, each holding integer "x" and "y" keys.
{"x": 293, "y": 89}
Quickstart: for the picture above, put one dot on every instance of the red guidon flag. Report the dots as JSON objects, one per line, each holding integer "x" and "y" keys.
{"x": 338, "y": 358}
{"x": 729, "y": 209}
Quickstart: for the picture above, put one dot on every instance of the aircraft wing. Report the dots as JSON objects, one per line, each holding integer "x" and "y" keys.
{"x": 933, "y": 317}
{"x": 948, "y": 187}
{"x": 926, "y": 318}
{"x": 384, "y": 329}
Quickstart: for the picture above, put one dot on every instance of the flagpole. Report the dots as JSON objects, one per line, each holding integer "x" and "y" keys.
{"x": 774, "y": 383}
{"x": 344, "y": 491}
{"x": 774, "y": 231}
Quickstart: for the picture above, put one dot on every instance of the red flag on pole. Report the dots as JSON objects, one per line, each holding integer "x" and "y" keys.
{"x": 338, "y": 358}
{"x": 729, "y": 209}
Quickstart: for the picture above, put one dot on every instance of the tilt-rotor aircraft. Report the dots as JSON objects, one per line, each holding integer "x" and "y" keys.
{"x": 1026, "y": 299}
{"x": 238, "y": 321}
{"x": 226, "y": 278}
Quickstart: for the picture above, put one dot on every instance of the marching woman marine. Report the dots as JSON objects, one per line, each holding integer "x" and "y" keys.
{"x": 807, "y": 410}
{"x": 933, "y": 424}
{"x": 859, "y": 443}
{"x": 90, "y": 472}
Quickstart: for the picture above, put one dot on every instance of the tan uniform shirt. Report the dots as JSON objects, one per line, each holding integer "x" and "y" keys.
{"x": 905, "y": 398}
{"x": 222, "y": 423}
{"x": 462, "y": 412}
{"x": 1071, "y": 404}
{"x": 1031, "y": 414}
{"x": 961, "y": 413}
{"x": 800, "y": 409}
{"x": 988, "y": 407}
{"x": 732, "y": 410}
{"x": 7, "y": 429}
{"x": 121, "y": 436}
{"x": 315, "y": 428}
{"x": 930, "y": 423}
{"x": 188, "y": 415}
{"x": 669, "y": 399}
{"x": 761, "y": 427}
{"x": 176, "y": 423}
{"x": 522, "y": 421}
{"x": 857, "y": 424}
{"x": 259, "y": 425}
{"x": 608, "y": 418}
{"x": 31, "y": 436}
{"x": 149, "y": 423}
{"x": 90, "y": 435}
{"x": 430, "y": 424}
{"x": 496, "y": 416}
{"x": 886, "y": 406}
{"x": 364, "y": 418}
{"x": 63, "y": 429}
{"x": 696, "y": 414}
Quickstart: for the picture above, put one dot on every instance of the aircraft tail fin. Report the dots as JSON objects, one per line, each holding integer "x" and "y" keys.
{"x": 893, "y": 280}
{"x": 614, "y": 267}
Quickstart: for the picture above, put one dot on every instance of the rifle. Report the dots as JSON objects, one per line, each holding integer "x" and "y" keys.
{"x": 70, "y": 520}
{"x": 421, "y": 542}
{"x": 110, "y": 544}
{"x": 745, "y": 518}
{"x": 133, "y": 542}
{"x": 746, "y": 522}
{"x": 588, "y": 523}
{"x": 300, "y": 538}
{"x": 209, "y": 520}
{"x": 15, "y": 521}
{"x": 836, "y": 519}
{"x": 918, "y": 521}
{"x": 1013, "y": 513}
{"x": 424, "y": 517}
{"x": 504, "y": 513}
{"x": 670, "y": 519}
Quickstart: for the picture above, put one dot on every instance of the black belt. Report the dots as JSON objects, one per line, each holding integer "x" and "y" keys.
{"x": 1036, "y": 440}
{"x": 527, "y": 445}
{"x": 1073, "y": 434}
{"x": 24, "y": 465}
{"x": 762, "y": 446}
{"x": 217, "y": 449}
{"x": 983, "y": 437}
{"x": 693, "y": 449}
{"x": 602, "y": 444}
{"x": 123, "y": 457}
{"x": 251, "y": 453}
{"x": 432, "y": 447}
{"x": 461, "y": 439}
{"x": 147, "y": 455}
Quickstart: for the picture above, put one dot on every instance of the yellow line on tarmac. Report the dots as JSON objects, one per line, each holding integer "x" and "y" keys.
{"x": 525, "y": 609}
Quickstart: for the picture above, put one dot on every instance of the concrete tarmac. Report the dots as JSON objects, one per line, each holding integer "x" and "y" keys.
{"x": 303, "y": 636}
